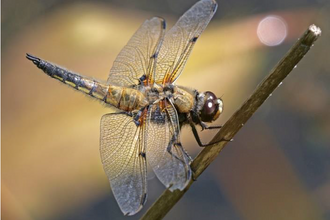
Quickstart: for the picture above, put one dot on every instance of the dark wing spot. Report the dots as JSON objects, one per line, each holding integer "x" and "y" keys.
{"x": 155, "y": 55}
{"x": 164, "y": 24}
{"x": 215, "y": 6}
{"x": 144, "y": 199}
{"x": 143, "y": 154}
{"x": 142, "y": 78}
{"x": 194, "y": 39}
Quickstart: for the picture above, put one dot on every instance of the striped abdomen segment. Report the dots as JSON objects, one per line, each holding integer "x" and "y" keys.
{"x": 127, "y": 99}
{"x": 81, "y": 83}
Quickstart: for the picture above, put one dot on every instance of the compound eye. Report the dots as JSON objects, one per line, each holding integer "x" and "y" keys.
{"x": 210, "y": 96}
{"x": 210, "y": 108}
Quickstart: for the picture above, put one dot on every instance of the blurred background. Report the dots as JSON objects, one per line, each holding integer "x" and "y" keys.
{"x": 276, "y": 168}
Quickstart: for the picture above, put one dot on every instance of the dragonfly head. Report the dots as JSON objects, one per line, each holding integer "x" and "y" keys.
{"x": 212, "y": 107}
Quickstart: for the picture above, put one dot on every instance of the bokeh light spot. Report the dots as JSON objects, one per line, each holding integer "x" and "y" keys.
{"x": 272, "y": 30}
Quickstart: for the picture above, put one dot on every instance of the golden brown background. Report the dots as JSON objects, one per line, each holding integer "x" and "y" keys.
{"x": 277, "y": 167}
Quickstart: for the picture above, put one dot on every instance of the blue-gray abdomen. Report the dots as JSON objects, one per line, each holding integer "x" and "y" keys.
{"x": 127, "y": 99}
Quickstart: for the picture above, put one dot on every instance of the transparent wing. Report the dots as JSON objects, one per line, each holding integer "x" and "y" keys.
{"x": 180, "y": 39}
{"x": 139, "y": 56}
{"x": 165, "y": 154}
{"x": 123, "y": 160}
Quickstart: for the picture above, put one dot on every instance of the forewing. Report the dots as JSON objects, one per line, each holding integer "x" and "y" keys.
{"x": 138, "y": 57}
{"x": 165, "y": 154}
{"x": 121, "y": 148}
{"x": 180, "y": 39}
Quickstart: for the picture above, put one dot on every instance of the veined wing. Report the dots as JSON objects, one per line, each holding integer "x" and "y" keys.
{"x": 138, "y": 57}
{"x": 122, "y": 154}
{"x": 180, "y": 39}
{"x": 165, "y": 154}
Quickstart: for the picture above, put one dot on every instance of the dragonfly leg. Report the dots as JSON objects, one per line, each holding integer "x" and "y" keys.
{"x": 179, "y": 145}
{"x": 169, "y": 150}
{"x": 185, "y": 160}
{"x": 196, "y": 135}
{"x": 205, "y": 126}
{"x": 184, "y": 151}
{"x": 194, "y": 118}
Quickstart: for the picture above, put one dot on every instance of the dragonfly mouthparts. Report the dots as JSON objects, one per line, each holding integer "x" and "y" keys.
{"x": 34, "y": 59}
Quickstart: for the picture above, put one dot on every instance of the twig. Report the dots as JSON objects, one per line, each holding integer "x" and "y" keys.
{"x": 168, "y": 199}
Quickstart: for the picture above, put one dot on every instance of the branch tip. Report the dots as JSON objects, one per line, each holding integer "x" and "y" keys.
{"x": 316, "y": 30}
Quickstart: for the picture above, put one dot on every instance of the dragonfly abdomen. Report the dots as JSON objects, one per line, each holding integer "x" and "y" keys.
{"x": 127, "y": 99}
{"x": 79, "y": 82}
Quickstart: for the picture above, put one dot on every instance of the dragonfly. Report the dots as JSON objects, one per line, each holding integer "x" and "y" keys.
{"x": 150, "y": 108}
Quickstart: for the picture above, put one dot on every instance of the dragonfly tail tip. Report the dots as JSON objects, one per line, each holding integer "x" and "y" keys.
{"x": 34, "y": 59}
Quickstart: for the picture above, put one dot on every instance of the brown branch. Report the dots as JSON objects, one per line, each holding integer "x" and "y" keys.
{"x": 168, "y": 199}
